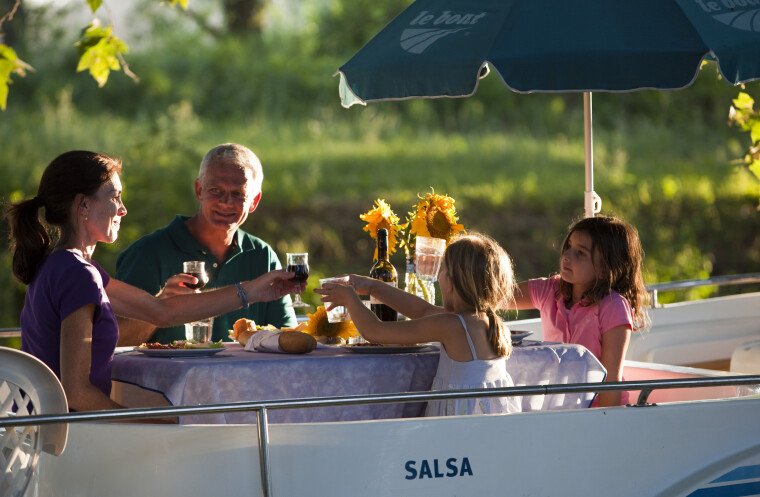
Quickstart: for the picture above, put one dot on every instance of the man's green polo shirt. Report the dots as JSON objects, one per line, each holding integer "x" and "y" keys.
{"x": 152, "y": 259}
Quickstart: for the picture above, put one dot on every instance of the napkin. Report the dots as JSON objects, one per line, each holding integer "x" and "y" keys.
{"x": 265, "y": 341}
{"x": 281, "y": 342}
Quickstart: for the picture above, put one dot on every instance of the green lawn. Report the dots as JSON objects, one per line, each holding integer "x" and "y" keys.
{"x": 514, "y": 164}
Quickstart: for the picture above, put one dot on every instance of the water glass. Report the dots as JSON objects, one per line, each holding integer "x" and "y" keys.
{"x": 428, "y": 255}
{"x": 200, "y": 331}
{"x": 339, "y": 313}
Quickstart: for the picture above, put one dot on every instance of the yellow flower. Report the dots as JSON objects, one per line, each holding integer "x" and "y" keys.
{"x": 436, "y": 217}
{"x": 381, "y": 216}
{"x": 318, "y": 326}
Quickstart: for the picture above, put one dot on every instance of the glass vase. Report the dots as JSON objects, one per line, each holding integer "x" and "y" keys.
{"x": 417, "y": 286}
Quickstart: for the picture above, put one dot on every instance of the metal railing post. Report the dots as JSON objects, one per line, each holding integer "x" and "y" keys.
{"x": 263, "y": 428}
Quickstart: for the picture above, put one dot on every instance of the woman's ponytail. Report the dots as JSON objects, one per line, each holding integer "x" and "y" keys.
{"x": 29, "y": 239}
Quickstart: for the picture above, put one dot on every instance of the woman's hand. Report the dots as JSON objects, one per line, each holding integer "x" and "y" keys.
{"x": 272, "y": 285}
{"x": 175, "y": 285}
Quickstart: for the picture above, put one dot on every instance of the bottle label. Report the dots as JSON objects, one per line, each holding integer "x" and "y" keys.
{"x": 373, "y": 300}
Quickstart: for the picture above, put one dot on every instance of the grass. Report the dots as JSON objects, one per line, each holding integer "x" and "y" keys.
{"x": 514, "y": 164}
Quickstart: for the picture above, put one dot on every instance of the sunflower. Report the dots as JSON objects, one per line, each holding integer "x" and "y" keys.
{"x": 381, "y": 216}
{"x": 436, "y": 217}
{"x": 318, "y": 326}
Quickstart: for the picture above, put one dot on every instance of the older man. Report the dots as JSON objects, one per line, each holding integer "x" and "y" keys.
{"x": 228, "y": 188}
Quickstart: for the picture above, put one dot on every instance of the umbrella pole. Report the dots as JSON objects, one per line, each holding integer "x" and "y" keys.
{"x": 591, "y": 202}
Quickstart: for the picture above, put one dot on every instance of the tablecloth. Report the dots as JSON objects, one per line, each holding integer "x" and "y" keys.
{"x": 239, "y": 375}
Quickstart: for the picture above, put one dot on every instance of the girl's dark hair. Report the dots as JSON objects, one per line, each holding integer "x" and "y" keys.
{"x": 68, "y": 175}
{"x": 620, "y": 256}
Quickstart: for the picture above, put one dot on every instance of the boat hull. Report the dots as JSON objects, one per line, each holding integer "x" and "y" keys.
{"x": 674, "y": 449}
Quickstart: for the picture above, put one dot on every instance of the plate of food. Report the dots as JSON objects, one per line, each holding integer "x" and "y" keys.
{"x": 396, "y": 348}
{"x": 517, "y": 336}
{"x": 181, "y": 348}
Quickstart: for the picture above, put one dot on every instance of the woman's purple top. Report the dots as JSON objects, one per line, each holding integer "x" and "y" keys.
{"x": 64, "y": 283}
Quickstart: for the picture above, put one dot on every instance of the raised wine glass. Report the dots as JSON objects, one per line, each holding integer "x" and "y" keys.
{"x": 197, "y": 269}
{"x": 298, "y": 263}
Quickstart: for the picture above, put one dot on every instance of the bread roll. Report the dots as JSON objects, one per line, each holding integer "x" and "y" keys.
{"x": 243, "y": 324}
{"x": 296, "y": 342}
{"x": 244, "y": 336}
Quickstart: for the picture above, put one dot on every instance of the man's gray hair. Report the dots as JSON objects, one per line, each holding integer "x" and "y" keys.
{"x": 232, "y": 153}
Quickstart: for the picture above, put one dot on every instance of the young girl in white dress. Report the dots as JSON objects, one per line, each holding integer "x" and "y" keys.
{"x": 475, "y": 279}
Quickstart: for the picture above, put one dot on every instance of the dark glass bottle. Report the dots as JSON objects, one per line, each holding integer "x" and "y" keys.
{"x": 383, "y": 270}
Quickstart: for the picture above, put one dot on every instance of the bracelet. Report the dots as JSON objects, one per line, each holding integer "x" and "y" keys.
{"x": 241, "y": 294}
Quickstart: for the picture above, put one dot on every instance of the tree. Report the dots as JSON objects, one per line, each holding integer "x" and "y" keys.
{"x": 243, "y": 15}
{"x": 100, "y": 50}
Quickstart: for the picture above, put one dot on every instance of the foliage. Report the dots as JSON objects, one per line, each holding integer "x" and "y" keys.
{"x": 341, "y": 27}
{"x": 9, "y": 64}
{"x": 743, "y": 114}
{"x": 513, "y": 162}
{"x": 100, "y": 52}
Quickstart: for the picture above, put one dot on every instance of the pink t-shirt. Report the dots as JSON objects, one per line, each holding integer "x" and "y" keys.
{"x": 582, "y": 325}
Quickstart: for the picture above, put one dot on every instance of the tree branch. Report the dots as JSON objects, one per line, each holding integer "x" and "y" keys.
{"x": 9, "y": 15}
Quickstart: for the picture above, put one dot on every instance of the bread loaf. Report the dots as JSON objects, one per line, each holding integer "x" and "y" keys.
{"x": 296, "y": 342}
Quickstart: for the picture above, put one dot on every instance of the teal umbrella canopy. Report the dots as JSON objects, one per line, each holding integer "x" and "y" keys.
{"x": 438, "y": 48}
{"x": 441, "y": 48}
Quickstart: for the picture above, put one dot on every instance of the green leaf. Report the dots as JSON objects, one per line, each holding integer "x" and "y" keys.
{"x": 9, "y": 64}
{"x": 755, "y": 168}
{"x": 744, "y": 102}
{"x": 99, "y": 52}
{"x": 754, "y": 131}
{"x": 94, "y": 4}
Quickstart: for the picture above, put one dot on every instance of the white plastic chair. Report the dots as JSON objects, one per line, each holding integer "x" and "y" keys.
{"x": 27, "y": 387}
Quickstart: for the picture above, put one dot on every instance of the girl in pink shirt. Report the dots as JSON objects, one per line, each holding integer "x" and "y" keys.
{"x": 597, "y": 298}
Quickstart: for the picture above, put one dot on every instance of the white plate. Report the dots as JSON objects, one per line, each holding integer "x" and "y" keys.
{"x": 179, "y": 352}
{"x": 517, "y": 336}
{"x": 388, "y": 349}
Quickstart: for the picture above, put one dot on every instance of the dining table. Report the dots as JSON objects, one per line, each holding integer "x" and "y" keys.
{"x": 235, "y": 374}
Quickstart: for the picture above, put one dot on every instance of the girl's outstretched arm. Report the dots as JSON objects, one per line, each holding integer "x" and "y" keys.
{"x": 407, "y": 304}
{"x": 434, "y": 328}
{"x": 614, "y": 345}
{"x": 522, "y": 298}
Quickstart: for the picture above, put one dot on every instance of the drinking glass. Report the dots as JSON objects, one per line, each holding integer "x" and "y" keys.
{"x": 428, "y": 255}
{"x": 339, "y": 313}
{"x": 200, "y": 331}
{"x": 197, "y": 269}
{"x": 298, "y": 263}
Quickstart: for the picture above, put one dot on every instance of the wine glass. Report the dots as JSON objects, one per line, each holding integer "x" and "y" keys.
{"x": 298, "y": 263}
{"x": 197, "y": 269}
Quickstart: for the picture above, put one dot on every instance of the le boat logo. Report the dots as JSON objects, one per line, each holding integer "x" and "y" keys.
{"x": 428, "y": 28}
{"x": 738, "y": 14}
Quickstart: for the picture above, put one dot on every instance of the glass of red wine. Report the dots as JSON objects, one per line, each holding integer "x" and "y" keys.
{"x": 298, "y": 264}
{"x": 197, "y": 269}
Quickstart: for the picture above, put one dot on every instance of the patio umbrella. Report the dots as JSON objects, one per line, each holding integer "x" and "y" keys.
{"x": 441, "y": 48}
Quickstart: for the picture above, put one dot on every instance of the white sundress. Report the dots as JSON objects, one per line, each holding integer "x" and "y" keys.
{"x": 477, "y": 373}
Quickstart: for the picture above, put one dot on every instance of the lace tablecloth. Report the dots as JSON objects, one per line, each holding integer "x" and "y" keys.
{"x": 239, "y": 375}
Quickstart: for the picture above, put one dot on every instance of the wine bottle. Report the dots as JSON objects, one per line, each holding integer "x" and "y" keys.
{"x": 383, "y": 270}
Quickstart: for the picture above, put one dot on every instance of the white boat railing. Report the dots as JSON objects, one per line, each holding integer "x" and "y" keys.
{"x": 646, "y": 387}
{"x": 10, "y": 332}
{"x": 736, "y": 279}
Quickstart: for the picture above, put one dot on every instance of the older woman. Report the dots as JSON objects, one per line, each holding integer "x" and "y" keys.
{"x": 69, "y": 319}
